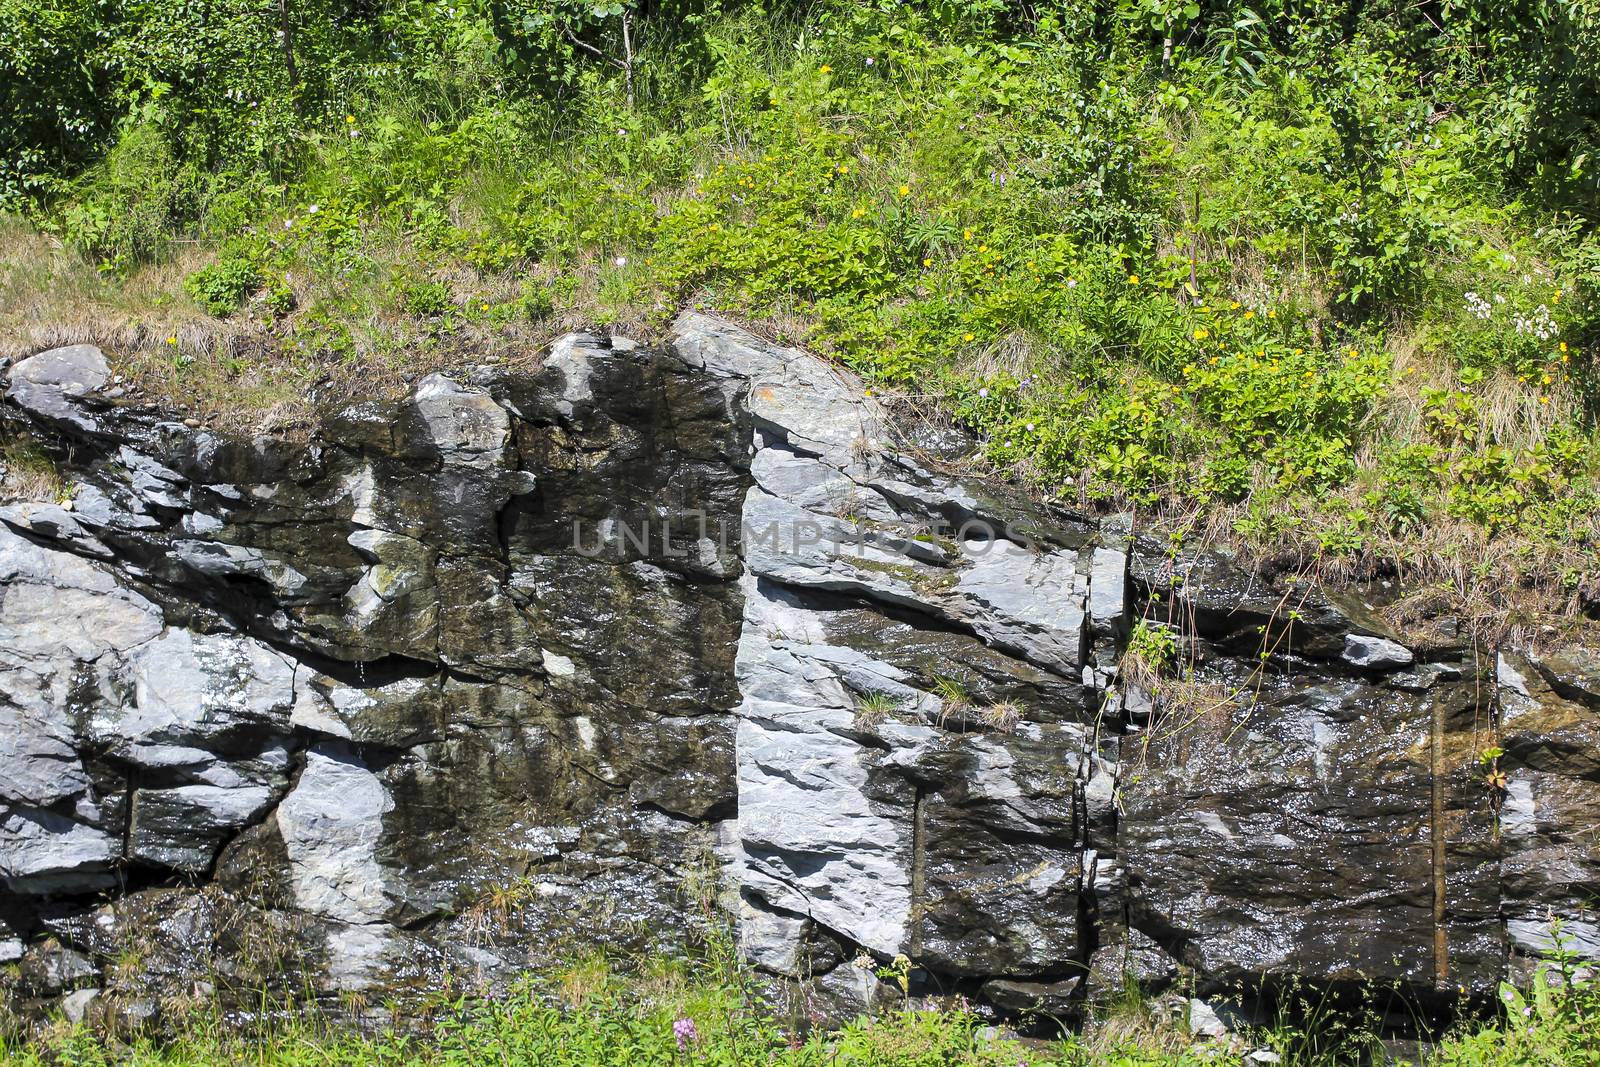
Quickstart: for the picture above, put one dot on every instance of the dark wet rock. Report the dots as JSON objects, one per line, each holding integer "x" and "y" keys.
{"x": 521, "y": 665}
{"x": 49, "y": 968}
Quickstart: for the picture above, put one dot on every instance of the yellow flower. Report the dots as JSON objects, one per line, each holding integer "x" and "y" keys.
{"x": 1547, "y": 379}
{"x": 926, "y": 262}
{"x": 484, "y": 307}
{"x": 1544, "y": 400}
{"x": 905, "y": 190}
{"x": 825, "y": 69}
{"x": 172, "y": 340}
{"x": 857, "y": 213}
{"x": 1249, "y": 314}
{"x": 1563, "y": 346}
{"x": 1272, "y": 313}
{"x": 966, "y": 235}
{"x": 966, "y": 337}
{"x": 869, "y": 392}
{"x": 1201, "y": 335}
{"x": 1354, "y": 353}
{"x": 1299, "y": 351}
{"x": 1556, "y": 299}
{"x": 983, "y": 248}
{"x": 1566, "y": 359}
{"x": 1234, "y": 306}
{"x": 844, "y": 168}
{"x": 349, "y": 118}
{"x": 1133, "y": 279}
{"x": 714, "y": 227}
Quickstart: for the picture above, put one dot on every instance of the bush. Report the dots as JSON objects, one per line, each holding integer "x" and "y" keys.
{"x": 221, "y": 287}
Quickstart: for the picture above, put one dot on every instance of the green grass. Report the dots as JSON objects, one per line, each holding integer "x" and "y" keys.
{"x": 594, "y": 1016}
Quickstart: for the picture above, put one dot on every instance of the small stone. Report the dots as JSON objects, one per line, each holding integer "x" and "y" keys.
{"x": 193, "y": 424}
{"x": 75, "y": 1006}
{"x": 1203, "y": 1021}
{"x": 1375, "y": 652}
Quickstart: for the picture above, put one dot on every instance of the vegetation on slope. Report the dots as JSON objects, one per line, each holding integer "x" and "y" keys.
{"x": 1317, "y": 277}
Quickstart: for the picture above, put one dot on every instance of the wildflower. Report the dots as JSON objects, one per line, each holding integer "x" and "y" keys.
{"x": 844, "y": 168}
{"x": 966, "y": 235}
{"x": 622, "y": 261}
{"x": 686, "y": 1034}
{"x": 1547, "y": 379}
{"x": 871, "y": 61}
{"x": 905, "y": 190}
{"x": 1234, "y": 306}
{"x": 869, "y": 392}
{"x": 1201, "y": 335}
{"x": 1030, "y": 427}
{"x": 825, "y": 69}
{"x": 1272, "y": 313}
{"x": 926, "y": 262}
{"x": 483, "y": 307}
{"x": 858, "y": 212}
{"x": 349, "y": 118}
{"x": 984, "y": 392}
{"x": 1556, "y": 298}
{"x": 1072, "y": 283}
{"x": 1249, "y": 315}
{"x": 312, "y": 210}
{"x": 172, "y": 340}
{"x": 983, "y": 248}
{"x": 1133, "y": 279}
{"x": 714, "y": 227}
{"x": 1544, "y": 400}
{"x": 1563, "y": 346}
{"x": 968, "y": 337}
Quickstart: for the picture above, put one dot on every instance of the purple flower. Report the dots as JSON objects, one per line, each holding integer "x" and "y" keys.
{"x": 685, "y": 1032}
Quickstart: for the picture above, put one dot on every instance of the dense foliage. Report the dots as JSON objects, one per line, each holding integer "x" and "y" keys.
{"x": 1326, "y": 271}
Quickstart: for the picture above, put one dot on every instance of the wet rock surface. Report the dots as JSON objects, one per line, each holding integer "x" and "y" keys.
{"x": 527, "y": 664}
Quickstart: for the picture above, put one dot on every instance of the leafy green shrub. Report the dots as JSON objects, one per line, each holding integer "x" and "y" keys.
{"x": 222, "y": 286}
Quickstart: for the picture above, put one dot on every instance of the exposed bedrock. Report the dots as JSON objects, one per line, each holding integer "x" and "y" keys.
{"x": 531, "y": 663}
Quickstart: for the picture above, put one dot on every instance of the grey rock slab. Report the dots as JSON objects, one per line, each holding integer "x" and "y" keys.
{"x": 465, "y": 424}
{"x": 1029, "y": 603}
{"x": 1375, "y": 653}
{"x": 47, "y": 384}
{"x": 331, "y": 823}
{"x": 42, "y": 851}
{"x": 191, "y": 691}
{"x": 815, "y": 405}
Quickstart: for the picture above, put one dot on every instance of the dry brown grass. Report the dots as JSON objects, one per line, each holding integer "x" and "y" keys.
{"x": 27, "y": 473}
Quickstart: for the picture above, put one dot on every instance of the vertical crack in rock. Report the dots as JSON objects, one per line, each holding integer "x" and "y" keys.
{"x": 1438, "y": 843}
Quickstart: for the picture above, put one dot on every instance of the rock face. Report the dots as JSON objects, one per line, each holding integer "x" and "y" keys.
{"x": 527, "y": 664}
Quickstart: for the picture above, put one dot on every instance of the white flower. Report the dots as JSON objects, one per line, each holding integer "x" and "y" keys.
{"x": 984, "y": 391}
{"x": 622, "y": 261}
{"x": 1072, "y": 283}
{"x": 870, "y": 61}
{"x": 1030, "y": 427}
{"x": 313, "y": 209}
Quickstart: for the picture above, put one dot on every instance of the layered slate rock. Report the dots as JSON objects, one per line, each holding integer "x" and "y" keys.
{"x": 401, "y": 701}
{"x": 528, "y": 663}
{"x": 915, "y": 742}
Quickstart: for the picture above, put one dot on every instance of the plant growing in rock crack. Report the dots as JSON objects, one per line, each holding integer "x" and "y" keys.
{"x": 873, "y": 708}
{"x": 1151, "y": 652}
{"x": 955, "y": 701}
{"x": 1003, "y": 716}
